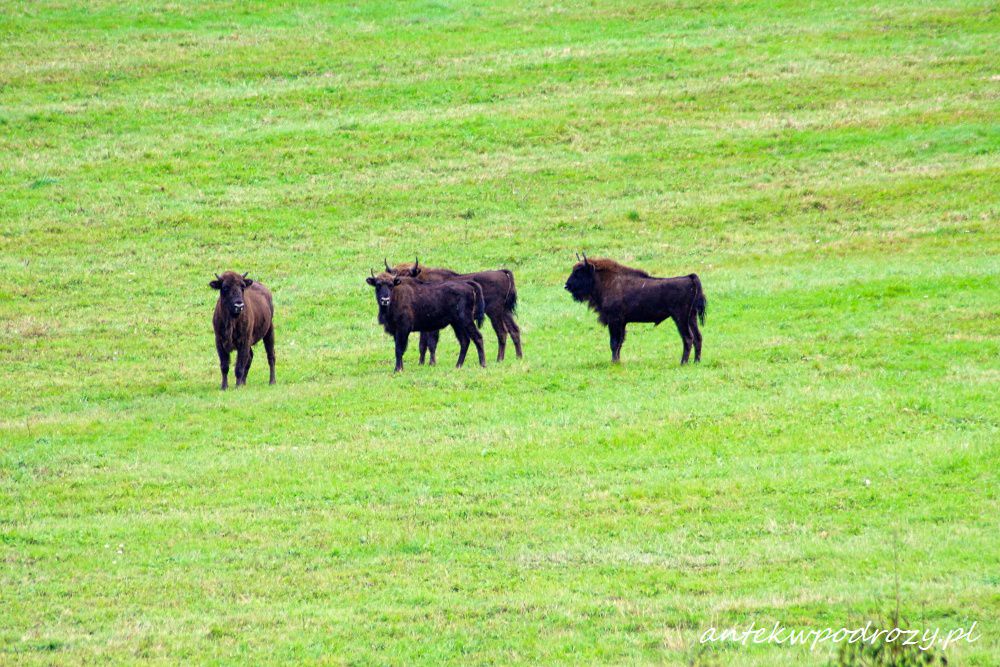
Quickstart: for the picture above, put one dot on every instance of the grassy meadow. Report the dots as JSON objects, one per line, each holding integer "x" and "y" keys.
{"x": 830, "y": 170}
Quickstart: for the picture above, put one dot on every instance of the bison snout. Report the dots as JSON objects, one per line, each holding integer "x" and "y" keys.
{"x": 384, "y": 301}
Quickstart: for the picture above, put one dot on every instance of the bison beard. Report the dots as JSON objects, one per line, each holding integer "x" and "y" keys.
{"x": 499, "y": 292}
{"x": 407, "y": 304}
{"x": 621, "y": 295}
{"x": 244, "y": 315}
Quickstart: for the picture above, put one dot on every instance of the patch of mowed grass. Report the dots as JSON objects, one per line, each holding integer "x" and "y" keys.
{"x": 830, "y": 172}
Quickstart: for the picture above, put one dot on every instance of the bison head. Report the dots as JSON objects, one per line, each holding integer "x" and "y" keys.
{"x": 383, "y": 284}
{"x": 405, "y": 269}
{"x": 231, "y": 285}
{"x": 581, "y": 281}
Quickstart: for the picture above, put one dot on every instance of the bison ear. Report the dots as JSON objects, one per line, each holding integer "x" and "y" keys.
{"x": 396, "y": 280}
{"x": 247, "y": 283}
{"x": 370, "y": 281}
{"x": 215, "y": 284}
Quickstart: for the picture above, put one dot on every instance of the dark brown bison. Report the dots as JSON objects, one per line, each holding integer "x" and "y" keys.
{"x": 498, "y": 290}
{"x": 244, "y": 314}
{"x": 620, "y": 295}
{"x": 406, "y": 304}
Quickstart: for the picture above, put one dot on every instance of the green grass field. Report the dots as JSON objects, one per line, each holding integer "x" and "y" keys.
{"x": 830, "y": 170}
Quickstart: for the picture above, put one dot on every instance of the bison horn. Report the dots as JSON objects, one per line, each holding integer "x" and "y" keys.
{"x": 246, "y": 274}
{"x": 578, "y": 257}
{"x": 416, "y": 262}
{"x": 388, "y": 268}
{"x": 584, "y": 258}
{"x": 218, "y": 276}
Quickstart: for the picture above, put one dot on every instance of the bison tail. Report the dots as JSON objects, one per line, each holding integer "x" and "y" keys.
{"x": 480, "y": 310}
{"x": 510, "y": 302}
{"x": 700, "y": 303}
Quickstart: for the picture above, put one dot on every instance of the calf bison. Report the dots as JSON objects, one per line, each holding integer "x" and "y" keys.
{"x": 406, "y": 304}
{"x": 498, "y": 290}
{"x": 620, "y": 295}
{"x": 244, "y": 314}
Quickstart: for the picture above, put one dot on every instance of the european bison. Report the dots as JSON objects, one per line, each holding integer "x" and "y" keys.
{"x": 620, "y": 294}
{"x": 406, "y": 304}
{"x": 244, "y": 314}
{"x": 498, "y": 290}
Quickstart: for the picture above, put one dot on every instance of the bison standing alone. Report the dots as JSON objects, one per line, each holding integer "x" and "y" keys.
{"x": 244, "y": 314}
{"x": 620, "y": 295}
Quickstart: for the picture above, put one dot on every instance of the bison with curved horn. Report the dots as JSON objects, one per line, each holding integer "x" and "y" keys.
{"x": 621, "y": 295}
{"x": 498, "y": 290}
{"x": 406, "y": 305}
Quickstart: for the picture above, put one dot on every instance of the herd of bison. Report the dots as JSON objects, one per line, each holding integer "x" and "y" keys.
{"x": 412, "y": 298}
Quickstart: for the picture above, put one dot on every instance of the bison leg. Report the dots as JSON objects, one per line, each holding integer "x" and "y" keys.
{"x": 429, "y": 343}
{"x": 242, "y": 364}
{"x": 501, "y": 331}
{"x": 514, "y": 331}
{"x": 684, "y": 330}
{"x": 401, "y": 340}
{"x": 223, "y": 364}
{"x": 432, "y": 345}
{"x": 617, "y": 331}
{"x": 246, "y": 368}
{"x": 463, "y": 343}
{"x": 269, "y": 348}
{"x": 423, "y": 346}
{"x": 477, "y": 338}
{"x": 696, "y": 334}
